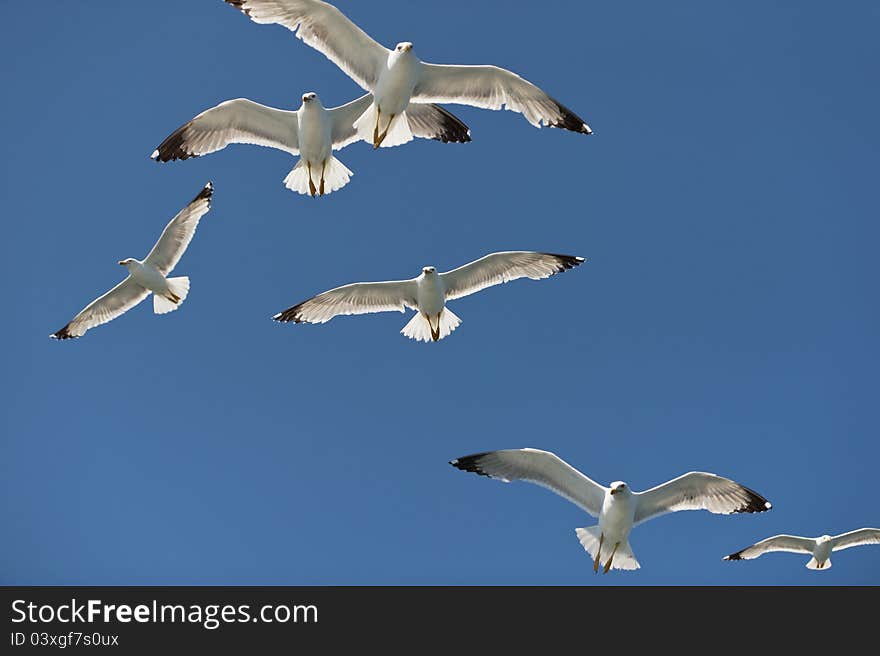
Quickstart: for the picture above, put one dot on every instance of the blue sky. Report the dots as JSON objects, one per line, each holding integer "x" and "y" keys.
{"x": 726, "y": 319}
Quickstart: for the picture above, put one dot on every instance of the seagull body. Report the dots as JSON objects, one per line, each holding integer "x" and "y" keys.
{"x": 147, "y": 275}
{"x": 398, "y": 79}
{"x": 428, "y": 293}
{"x": 617, "y": 507}
{"x": 313, "y": 132}
{"x": 820, "y": 548}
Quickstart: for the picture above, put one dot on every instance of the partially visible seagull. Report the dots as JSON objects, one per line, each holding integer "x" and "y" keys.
{"x": 618, "y": 508}
{"x": 819, "y": 548}
{"x": 147, "y": 275}
{"x": 428, "y": 293}
{"x": 397, "y": 78}
{"x": 312, "y": 132}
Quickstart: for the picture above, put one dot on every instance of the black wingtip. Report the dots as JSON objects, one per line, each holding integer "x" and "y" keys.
{"x": 64, "y": 333}
{"x": 471, "y": 463}
{"x": 734, "y": 556}
{"x": 566, "y": 262}
{"x": 173, "y": 147}
{"x": 452, "y": 129}
{"x": 568, "y": 120}
{"x": 239, "y": 4}
{"x": 755, "y": 503}
{"x": 288, "y": 315}
{"x": 207, "y": 192}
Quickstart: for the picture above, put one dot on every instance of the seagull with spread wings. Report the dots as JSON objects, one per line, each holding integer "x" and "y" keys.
{"x": 819, "y": 548}
{"x": 428, "y": 293}
{"x": 397, "y": 78}
{"x": 312, "y": 132}
{"x": 618, "y": 507}
{"x": 147, "y": 275}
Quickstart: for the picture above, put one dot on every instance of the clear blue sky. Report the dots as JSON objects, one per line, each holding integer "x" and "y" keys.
{"x": 726, "y": 319}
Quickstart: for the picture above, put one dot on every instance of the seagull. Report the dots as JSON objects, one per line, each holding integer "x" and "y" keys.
{"x": 147, "y": 275}
{"x": 397, "y": 78}
{"x": 312, "y": 132}
{"x": 819, "y": 548}
{"x": 618, "y": 508}
{"x": 429, "y": 292}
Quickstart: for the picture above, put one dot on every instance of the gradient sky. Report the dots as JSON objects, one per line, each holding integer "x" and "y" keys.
{"x": 726, "y": 319}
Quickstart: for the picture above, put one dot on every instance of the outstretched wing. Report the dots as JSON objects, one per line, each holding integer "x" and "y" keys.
{"x": 327, "y": 30}
{"x": 539, "y": 467}
{"x": 856, "y": 538}
{"x": 114, "y": 303}
{"x": 698, "y": 491}
{"x": 356, "y": 298}
{"x": 790, "y": 543}
{"x": 179, "y": 232}
{"x": 497, "y": 268}
{"x": 491, "y": 87}
{"x": 239, "y": 121}
{"x": 342, "y": 131}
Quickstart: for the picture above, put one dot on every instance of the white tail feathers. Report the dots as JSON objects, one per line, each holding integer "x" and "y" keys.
{"x": 624, "y": 558}
{"x": 398, "y": 132}
{"x": 422, "y": 329}
{"x": 814, "y": 564}
{"x": 335, "y": 175}
{"x": 178, "y": 288}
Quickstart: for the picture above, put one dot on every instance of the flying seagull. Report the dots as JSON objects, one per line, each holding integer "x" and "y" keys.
{"x": 397, "y": 78}
{"x": 618, "y": 508}
{"x": 819, "y": 548}
{"x": 148, "y": 275}
{"x": 428, "y": 293}
{"x": 312, "y": 132}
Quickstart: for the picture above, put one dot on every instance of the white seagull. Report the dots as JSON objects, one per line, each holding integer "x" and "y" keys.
{"x": 147, "y": 275}
{"x": 618, "y": 508}
{"x": 397, "y": 78}
{"x": 429, "y": 292}
{"x": 312, "y": 132}
{"x": 819, "y": 548}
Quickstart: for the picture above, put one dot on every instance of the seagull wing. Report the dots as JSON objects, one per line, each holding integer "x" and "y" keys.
{"x": 856, "y": 538}
{"x": 325, "y": 28}
{"x": 342, "y": 131}
{"x": 496, "y": 268}
{"x": 356, "y": 298}
{"x": 698, "y": 491}
{"x": 240, "y": 121}
{"x": 539, "y": 467}
{"x": 114, "y": 303}
{"x": 179, "y": 232}
{"x": 790, "y": 543}
{"x": 491, "y": 87}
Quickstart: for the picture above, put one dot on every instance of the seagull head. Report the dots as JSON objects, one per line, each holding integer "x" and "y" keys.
{"x": 618, "y": 487}
{"x": 428, "y": 270}
{"x": 126, "y": 261}
{"x": 823, "y": 539}
{"x": 403, "y": 46}
{"x": 309, "y": 97}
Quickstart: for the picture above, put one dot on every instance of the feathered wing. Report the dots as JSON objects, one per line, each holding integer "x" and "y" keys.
{"x": 433, "y": 122}
{"x": 491, "y": 87}
{"x": 239, "y": 121}
{"x": 328, "y": 30}
{"x": 342, "y": 131}
{"x": 356, "y": 298}
{"x": 497, "y": 268}
{"x": 539, "y": 467}
{"x": 114, "y": 303}
{"x": 790, "y": 543}
{"x": 856, "y": 538}
{"x": 177, "y": 235}
{"x": 698, "y": 491}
